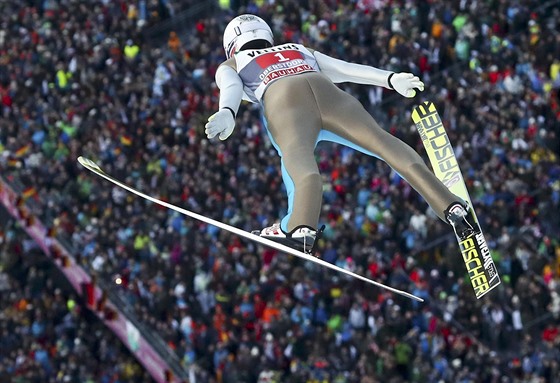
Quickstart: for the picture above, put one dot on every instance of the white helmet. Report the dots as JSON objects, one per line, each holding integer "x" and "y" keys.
{"x": 245, "y": 28}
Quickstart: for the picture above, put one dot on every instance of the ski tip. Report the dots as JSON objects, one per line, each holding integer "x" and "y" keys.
{"x": 88, "y": 164}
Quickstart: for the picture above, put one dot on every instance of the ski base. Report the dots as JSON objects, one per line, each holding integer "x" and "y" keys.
{"x": 93, "y": 167}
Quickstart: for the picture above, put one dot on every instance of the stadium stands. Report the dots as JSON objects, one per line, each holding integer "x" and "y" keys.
{"x": 85, "y": 80}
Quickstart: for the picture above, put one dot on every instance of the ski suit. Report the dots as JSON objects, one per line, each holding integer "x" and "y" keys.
{"x": 302, "y": 107}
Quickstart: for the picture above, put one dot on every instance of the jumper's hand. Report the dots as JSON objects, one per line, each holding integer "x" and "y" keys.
{"x": 406, "y": 84}
{"x": 222, "y": 123}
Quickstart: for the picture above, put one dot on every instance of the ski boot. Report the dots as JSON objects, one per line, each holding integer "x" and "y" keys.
{"x": 302, "y": 238}
{"x": 462, "y": 222}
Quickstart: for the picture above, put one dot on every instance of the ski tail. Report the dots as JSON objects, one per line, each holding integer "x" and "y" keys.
{"x": 481, "y": 269}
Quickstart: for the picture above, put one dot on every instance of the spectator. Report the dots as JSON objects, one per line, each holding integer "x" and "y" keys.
{"x": 47, "y": 335}
{"x": 142, "y": 120}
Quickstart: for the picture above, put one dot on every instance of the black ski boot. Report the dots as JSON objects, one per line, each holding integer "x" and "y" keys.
{"x": 462, "y": 222}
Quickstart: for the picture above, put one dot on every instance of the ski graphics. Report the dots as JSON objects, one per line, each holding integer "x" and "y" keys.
{"x": 481, "y": 269}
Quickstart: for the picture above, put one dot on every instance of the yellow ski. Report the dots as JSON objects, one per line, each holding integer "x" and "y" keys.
{"x": 482, "y": 271}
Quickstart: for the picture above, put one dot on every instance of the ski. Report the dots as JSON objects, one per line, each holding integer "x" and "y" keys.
{"x": 481, "y": 269}
{"x": 93, "y": 167}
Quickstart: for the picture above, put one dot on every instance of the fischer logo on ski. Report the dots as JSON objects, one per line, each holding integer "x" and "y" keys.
{"x": 481, "y": 272}
{"x": 481, "y": 269}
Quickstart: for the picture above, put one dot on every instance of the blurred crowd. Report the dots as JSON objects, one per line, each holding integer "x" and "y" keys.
{"x": 82, "y": 79}
{"x": 46, "y": 334}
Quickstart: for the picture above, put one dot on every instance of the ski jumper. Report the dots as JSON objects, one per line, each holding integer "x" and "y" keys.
{"x": 303, "y": 107}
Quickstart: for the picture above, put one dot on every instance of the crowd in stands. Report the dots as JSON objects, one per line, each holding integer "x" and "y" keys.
{"x": 46, "y": 334}
{"x": 79, "y": 79}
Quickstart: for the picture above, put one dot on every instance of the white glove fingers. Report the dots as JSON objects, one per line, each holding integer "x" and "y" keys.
{"x": 210, "y": 130}
{"x": 210, "y": 134}
{"x": 225, "y": 134}
{"x": 417, "y": 84}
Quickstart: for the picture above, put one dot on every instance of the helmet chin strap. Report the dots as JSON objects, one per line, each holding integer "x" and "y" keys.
{"x": 230, "y": 51}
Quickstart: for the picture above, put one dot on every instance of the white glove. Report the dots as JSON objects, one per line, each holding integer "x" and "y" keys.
{"x": 406, "y": 84}
{"x": 221, "y": 122}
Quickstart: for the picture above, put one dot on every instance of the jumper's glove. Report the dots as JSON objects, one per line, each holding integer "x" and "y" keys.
{"x": 406, "y": 84}
{"x": 222, "y": 123}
